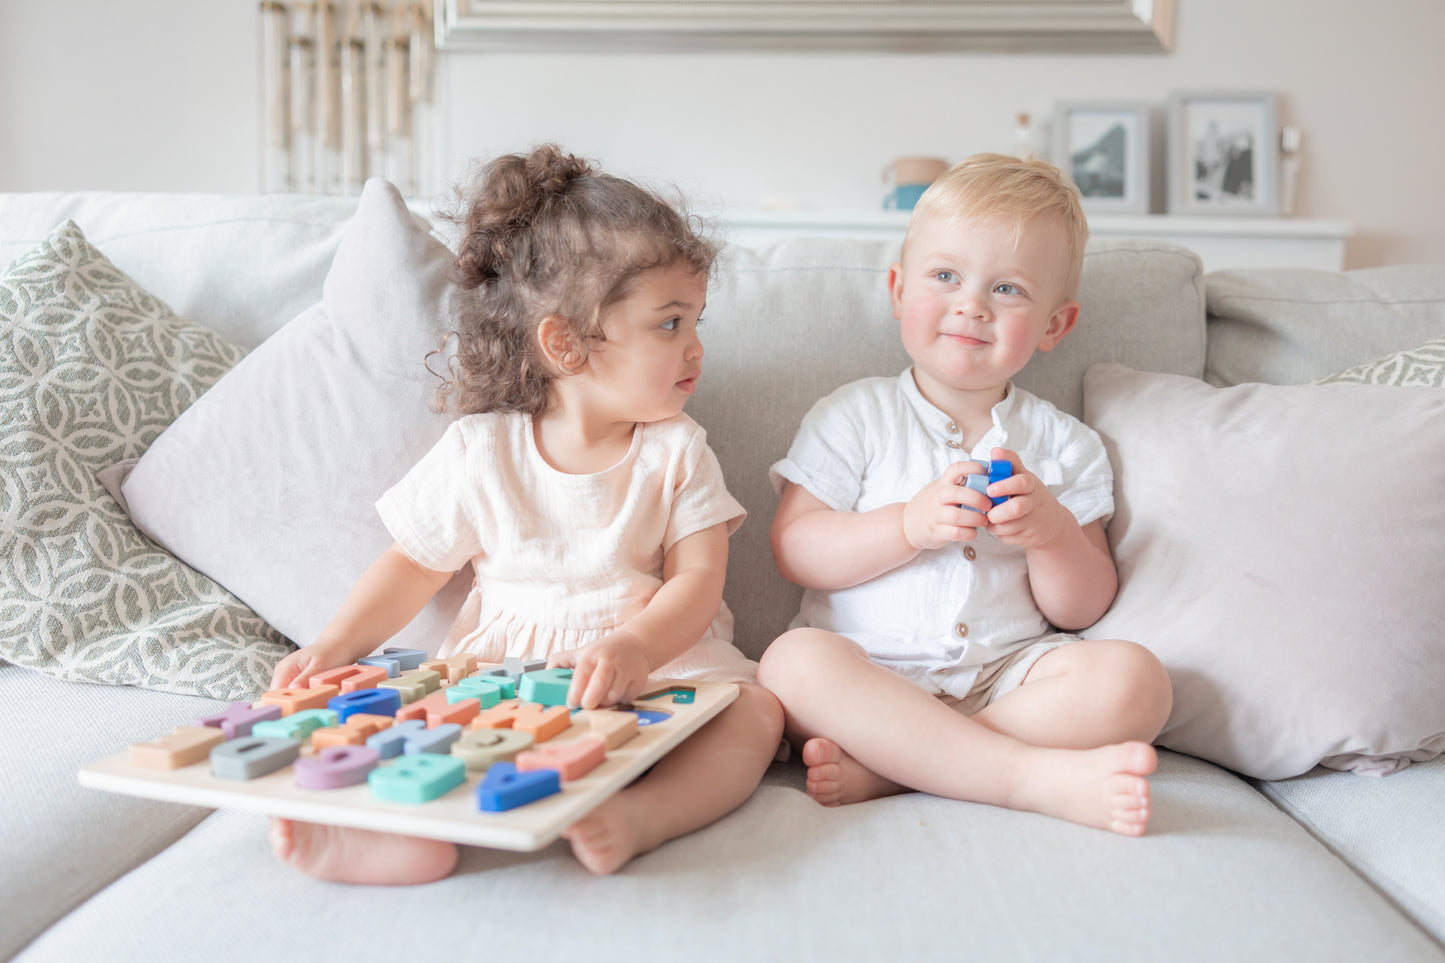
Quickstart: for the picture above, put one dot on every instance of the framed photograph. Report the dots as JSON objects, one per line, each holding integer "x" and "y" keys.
{"x": 1223, "y": 153}
{"x": 1104, "y": 147}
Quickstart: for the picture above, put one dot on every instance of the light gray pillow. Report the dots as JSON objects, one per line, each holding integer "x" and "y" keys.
{"x": 92, "y": 368}
{"x": 268, "y": 483}
{"x": 1422, "y": 367}
{"x": 1279, "y": 550}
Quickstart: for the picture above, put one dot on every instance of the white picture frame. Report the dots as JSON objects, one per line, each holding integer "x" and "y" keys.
{"x": 1104, "y": 148}
{"x": 1223, "y": 149}
{"x": 1112, "y": 26}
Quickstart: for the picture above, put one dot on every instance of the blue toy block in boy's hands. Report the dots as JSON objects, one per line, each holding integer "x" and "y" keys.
{"x": 503, "y": 787}
{"x": 998, "y": 470}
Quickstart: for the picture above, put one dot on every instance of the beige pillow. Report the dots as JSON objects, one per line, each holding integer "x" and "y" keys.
{"x": 1279, "y": 548}
{"x": 92, "y": 369}
{"x": 268, "y": 483}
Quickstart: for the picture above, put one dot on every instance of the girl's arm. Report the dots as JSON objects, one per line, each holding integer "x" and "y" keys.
{"x": 615, "y": 668}
{"x": 389, "y": 594}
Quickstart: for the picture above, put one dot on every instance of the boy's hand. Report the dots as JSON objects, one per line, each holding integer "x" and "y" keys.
{"x": 611, "y": 670}
{"x": 935, "y": 516}
{"x": 293, "y": 671}
{"x": 1032, "y": 517}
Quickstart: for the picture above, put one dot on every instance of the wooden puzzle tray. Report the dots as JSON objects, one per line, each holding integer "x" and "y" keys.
{"x": 670, "y": 712}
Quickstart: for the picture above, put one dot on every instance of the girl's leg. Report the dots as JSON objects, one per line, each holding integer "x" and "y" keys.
{"x": 1086, "y": 694}
{"x": 345, "y": 855}
{"x": 872, "y": 728}
{"x": 706, "y": 777}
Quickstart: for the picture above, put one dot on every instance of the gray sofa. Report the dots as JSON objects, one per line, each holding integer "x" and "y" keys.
{"x": 1326, "y": 865}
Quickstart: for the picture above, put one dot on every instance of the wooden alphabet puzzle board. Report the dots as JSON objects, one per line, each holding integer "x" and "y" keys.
{"x": 668, "y": 713}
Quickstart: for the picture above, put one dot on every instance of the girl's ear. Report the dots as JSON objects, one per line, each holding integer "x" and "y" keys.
{"x": 895, "y": 290}
{"x": 560, "y": 346}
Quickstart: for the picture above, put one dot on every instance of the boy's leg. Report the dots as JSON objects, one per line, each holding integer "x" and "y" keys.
{"x": 896, "y": 732}
{"x": 1085, "y": 694}
{"x": 344, "y": 855}
{"x": 706, "y": 777}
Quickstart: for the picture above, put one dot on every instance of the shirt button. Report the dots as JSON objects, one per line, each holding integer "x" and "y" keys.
{"x": 961, "y": 630}
{"x": 954, "y": 444}
{"x": 970, "y": 553}
{"x": 952, "y": 427}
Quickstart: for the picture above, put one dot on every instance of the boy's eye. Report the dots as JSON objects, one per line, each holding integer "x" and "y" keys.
{"x": 1006, "y": 288}
{"x": 670, "y": 324}
{"x": 947, "y": 277}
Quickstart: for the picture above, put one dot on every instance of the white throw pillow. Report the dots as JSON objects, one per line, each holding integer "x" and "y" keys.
{"x": 268, "y": 482}
{"x": 1279, "y": 550}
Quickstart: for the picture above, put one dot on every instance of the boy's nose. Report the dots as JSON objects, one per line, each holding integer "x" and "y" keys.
{"x": 971, "y": 306}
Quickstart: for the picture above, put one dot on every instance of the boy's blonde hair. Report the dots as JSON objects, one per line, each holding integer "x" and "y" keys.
{"x": 997, "y": 186}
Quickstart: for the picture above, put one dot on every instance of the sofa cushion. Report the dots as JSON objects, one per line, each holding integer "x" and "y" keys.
{"x": 1292, "y": 326}
{"x": 1387, "y": 829}
{"x": 1419, "y": 367}
{"x": 59, "y": 842}
{"x": 268, "y": 482}
{"x": 1223, "y": 875}
{"x": 788, "y": 323}
{"x": 92, "y": 368}
{"x": 241, "y": 265}
{"x": 1278, "y": 548}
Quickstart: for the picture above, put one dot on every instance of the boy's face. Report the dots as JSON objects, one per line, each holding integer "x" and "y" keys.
{"x": 973, "y": 305}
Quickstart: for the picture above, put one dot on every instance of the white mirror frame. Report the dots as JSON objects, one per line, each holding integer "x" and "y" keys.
{"x": 1143, "y": 26}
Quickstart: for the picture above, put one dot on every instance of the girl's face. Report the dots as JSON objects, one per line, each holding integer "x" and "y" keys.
{"x": 649, "y": 365}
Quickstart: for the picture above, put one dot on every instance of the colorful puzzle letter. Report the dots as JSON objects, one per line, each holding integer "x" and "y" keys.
{"x": 417, "y": 779}
{"x": 503, "y": 787}
{"x": 572, "y": 760}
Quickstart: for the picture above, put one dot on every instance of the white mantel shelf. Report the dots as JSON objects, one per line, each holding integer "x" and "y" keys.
{"x": 1221, "y": 242}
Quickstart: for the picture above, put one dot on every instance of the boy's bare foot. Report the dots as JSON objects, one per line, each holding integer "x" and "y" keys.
{"x": 606, "y": 838}
{"x": 1105, "y": 788}
{"x": 837, "y": 779}
{"x": 345, "y": 855}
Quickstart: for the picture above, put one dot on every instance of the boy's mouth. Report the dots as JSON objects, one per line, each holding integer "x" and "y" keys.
{"x": 689, "y": 384}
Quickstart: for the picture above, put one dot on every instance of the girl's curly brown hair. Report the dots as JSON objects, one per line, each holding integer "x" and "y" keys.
{"x": 542, "y": 235}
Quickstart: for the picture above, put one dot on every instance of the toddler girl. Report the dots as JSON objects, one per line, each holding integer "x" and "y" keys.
{"x": 590, "y": 507}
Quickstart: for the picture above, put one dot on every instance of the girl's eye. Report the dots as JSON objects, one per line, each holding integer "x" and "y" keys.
{"x": 1006, "y": 288}
{"x": 947, "y": 277}
{"x": 670, "y": 324}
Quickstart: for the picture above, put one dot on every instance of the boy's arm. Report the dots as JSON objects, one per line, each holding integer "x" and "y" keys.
{"x": 615, "y": 668}
{"x": 387, "y": 596}
{"x": 1073, "y": 578}
{"x": 818, "y": 547}
{"x": 1071, "y": 571}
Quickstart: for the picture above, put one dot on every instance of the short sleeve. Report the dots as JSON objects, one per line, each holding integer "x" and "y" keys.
{"x": 1089, "y": 478}
{"x": 700, "y": 495}
{"x": 427, "y": 512}
{"x": 828, "y": 456}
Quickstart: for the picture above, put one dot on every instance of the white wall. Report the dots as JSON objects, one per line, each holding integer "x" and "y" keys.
{"x": 130, "y": 99}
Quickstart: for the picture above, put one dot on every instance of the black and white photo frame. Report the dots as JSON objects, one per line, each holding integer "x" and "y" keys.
{"x": 1223, "y": 150}
{"x": 1104, "y": 148}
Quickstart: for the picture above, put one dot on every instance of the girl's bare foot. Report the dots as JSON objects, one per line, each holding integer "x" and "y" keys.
{"x": 1104, "y": 788}
{"x": 345, "y": 855}
{"x": 837, "y": 779}
{"x": 606, "y": 838}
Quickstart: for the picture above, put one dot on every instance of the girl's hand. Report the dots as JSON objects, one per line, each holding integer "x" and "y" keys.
{"x": 611, "y": 670}
{"x": 293, "y": 671}
{"x": 1032, "y": 517}
{"x": 936, "y": 516}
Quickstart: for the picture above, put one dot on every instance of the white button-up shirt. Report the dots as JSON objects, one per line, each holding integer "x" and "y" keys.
{"x": 939, "y": 617}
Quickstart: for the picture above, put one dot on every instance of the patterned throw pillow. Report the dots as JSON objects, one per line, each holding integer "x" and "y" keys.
{"x": 1422, "y": 367}
{"x": 92, "y": 369}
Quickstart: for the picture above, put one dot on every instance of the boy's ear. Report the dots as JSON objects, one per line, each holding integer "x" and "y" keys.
{"x": 895, "y": 289}
{"x": 1061, "y": 322}
{"x": 559, "y": 345}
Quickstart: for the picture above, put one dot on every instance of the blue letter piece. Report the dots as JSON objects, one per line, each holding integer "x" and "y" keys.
{"x": 503, "y": 787}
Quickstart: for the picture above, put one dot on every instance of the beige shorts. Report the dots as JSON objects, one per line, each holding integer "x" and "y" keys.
{"x": 1002, "y": 676}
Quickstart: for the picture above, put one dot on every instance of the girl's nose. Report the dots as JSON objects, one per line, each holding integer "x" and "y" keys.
{"x": 694, "y": 348}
